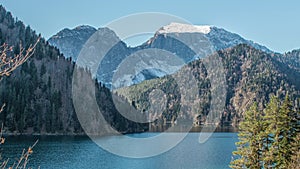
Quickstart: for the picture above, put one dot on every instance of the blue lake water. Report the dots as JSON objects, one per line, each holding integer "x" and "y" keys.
{"x": 78, "y": 152}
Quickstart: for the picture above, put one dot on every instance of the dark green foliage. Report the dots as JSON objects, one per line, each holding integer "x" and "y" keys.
{"x": 38, "y": 94}
{"x": 43, "y": 70}
{"x": 56, "y": 100}
{"x": 117, "y": 121}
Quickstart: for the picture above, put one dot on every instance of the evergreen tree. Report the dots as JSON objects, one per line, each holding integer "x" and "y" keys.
{"x": 43, "y": 70}
{"x": 279, "y": 132}
{"x": 285, "y": 134}
{"x": 295, "y": 149}
{"x": 269, "y": 139}
{"x": 270, "y": 119}
{"x": 249, "y": 147}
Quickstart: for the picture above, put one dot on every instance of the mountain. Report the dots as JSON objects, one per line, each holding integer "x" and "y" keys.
{"x": 251, "y": 76}
{"x": 218, "y": 37}
{"x": 175, "y": 38}
{"x": 38, "y": 94}
{"x": 70, "y": 41}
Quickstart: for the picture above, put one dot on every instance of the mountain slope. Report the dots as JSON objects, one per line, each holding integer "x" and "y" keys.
{"x": 38, "y": 95}
{"x": 251, "y": 75}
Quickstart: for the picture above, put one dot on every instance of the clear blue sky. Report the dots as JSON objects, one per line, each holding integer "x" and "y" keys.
{"x": 272, "y": 23}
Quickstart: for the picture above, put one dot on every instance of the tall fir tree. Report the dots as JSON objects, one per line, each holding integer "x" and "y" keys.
{"x": 270, "y": 119}
{"x": 250, "y": 146}
{"x": 269, "y": 139}
{"x": 281, "y": 132}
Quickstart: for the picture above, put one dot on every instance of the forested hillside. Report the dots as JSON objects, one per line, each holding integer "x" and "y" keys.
{"x": 38, "y": 95}
{"x": 251, "y": 75}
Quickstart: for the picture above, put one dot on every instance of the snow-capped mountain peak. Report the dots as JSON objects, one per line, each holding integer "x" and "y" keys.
{"x": 184, "y": 28}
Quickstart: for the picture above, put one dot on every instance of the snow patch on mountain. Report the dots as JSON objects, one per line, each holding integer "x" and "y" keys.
{"x": 184, "y": 28}
{"x": 218, "y": 37}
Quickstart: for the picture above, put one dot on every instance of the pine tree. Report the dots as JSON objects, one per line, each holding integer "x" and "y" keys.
{"x": 250, "y": 145}
{"x": 285, "y": 133}
{"x": 295, "y": 149}
{"x": 280, "y": 130}
{"x": 270, "y": 119}
{"x": 43, "y": 70}
{"x": 269, "y": 139}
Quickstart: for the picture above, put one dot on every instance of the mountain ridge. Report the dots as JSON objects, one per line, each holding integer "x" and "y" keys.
{"x": 218, "y": 38}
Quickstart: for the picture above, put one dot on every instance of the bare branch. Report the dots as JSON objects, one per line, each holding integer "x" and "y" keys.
{"x": 10, "y": 63}
{"x": 23, "y": 160}
{"x": 1, "y": 109}
{"x": 7, "y": 65}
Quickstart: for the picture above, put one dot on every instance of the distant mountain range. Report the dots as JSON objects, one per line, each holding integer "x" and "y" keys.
{"x": 70, "y": 41}
{"x": 169, "y": 38}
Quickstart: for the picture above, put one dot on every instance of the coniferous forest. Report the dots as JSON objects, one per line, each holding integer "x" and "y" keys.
{"x": 38, "y": 93}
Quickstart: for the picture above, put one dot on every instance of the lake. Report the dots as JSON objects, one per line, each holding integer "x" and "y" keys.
{"x": 77, "y": 152}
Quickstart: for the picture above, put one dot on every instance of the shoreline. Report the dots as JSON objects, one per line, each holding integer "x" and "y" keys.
{"x": 227, "y": 129}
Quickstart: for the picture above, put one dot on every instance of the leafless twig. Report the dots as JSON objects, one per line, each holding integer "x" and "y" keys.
{"x": 10, "y": 63}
